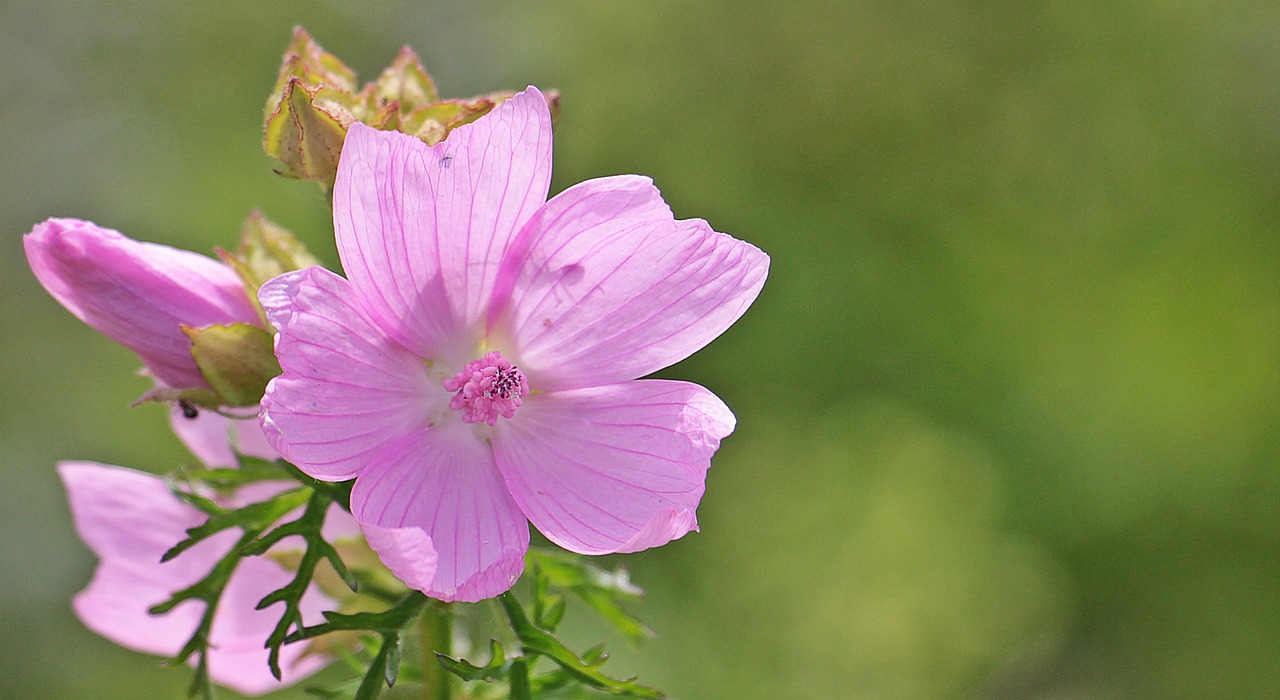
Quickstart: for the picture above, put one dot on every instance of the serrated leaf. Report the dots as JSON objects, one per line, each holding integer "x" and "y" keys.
{"x": 604, "y": 591}
{"x": 495, "y": 670}
{"x": 309, "y": 526}
{"x": 254, "y": 517}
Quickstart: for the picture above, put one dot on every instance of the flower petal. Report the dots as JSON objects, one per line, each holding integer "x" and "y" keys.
{"x": 406, "y": 551}
{"x": 137, "y": 294}
{"x": 442, "y": 481}
{"x": 606, "y": 286}
{"x": 215, "y": 440}
{"x": 346, "y": 387}
{"x": 129, "y": 519}
{"x": 617, "y": 468}
{"x": 422, "y": 229}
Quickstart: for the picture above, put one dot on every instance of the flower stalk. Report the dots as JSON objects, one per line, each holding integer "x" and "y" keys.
{"x": 436, "y": 629}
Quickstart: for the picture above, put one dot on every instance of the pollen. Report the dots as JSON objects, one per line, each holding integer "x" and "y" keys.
{"x": 487, "y": 388}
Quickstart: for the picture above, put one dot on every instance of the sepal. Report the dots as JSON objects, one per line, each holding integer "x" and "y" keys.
{"x": 237, "y": 360}
{"x": 266, "y": 250}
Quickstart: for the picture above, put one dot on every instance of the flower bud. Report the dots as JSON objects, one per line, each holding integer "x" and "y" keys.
{"x": 138, "y": 294}
{"x": 316, "y": 99}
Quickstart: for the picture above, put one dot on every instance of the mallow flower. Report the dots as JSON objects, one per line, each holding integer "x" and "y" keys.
{"x": 476, "y": 370}
{"x": 138, "y": 294}
{"x": 130, "y": 518}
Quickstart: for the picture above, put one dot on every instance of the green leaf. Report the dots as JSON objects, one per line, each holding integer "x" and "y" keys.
{"x": 495, "y": 670}
{"x": 309, "y": 526}
{"x": 380, "y": 671}
{"x": 534, "y": 639}
{"x": 388, "y": 621}
{"x": 254, "y": 517}
{"x": 604, "y": 591}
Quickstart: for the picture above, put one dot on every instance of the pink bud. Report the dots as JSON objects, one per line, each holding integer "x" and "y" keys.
{"x": 138, "y": 294}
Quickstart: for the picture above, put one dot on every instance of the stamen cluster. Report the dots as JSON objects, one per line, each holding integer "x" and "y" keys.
{"x": 487, "y": 388}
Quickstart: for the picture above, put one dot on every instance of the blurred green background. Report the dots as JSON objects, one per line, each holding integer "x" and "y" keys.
{"x": 1007, "y": 404}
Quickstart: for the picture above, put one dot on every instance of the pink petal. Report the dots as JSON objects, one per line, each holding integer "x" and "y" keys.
{"x": 215, "y": 440}
{"x": 618, "y": 468}
{"x": 346, "y": 387}
{"x": 605, "y": 286}
{"x": 443, "y": 482}
{"x": 406, "y": 551}
{"x": 137, "y": 294}
{"x": 129, "y": 519}
{"x": 422, "y": 229}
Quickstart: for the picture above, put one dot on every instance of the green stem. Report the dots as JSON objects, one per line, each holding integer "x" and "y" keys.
{"x": 437, "y": 636}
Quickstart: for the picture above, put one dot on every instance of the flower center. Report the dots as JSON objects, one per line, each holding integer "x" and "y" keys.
{"x": 487, "y": 388}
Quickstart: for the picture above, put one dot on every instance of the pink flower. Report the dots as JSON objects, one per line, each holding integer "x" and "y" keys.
{"x": 476, "y": 371}
{"x": 129, "y": 519}
{"x": 138, "y": 294}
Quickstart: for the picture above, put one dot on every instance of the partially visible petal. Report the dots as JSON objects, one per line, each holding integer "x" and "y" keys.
{"x": 137, "y": 294}
{"x": 605, "y": 286}
{"x": 346, "y": 387}
{"x": 406, "y": 551}
{"x": 421, "y": 229}
{"x": 443, "y": 482}
{"x": 215, "y": 440}
{"x": 129, "y": 519}
{"x": 617, "y": 468}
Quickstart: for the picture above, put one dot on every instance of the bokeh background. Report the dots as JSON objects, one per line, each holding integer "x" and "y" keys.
{"x": 1007, "y": 405}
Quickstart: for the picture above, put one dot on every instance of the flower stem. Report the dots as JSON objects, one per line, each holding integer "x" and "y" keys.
{"x": 437, "y": 635}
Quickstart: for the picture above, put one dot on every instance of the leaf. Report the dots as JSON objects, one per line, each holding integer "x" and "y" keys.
{"x": 536, "y": 640}
{"x": 520, "y": 681}
{"x": 495, "y": 670}
{"x": 380, "y": 670}
{"x": 254, "y": 517}
{"x": 604, "y": 591}
{"x": 309, "y": 527}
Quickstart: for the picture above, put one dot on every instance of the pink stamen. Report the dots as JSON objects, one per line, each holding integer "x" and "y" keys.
{"x": 487, "y": 388}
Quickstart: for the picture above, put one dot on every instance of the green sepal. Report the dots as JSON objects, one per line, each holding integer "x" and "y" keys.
{"x": 405, "y": 82}
{"x": 306, "y": 60}
{"x": 433, "y": 122}
{"x": 266, "y": 250}
{"x": 305, "y": 132}
{"x": 237, "y": 360}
